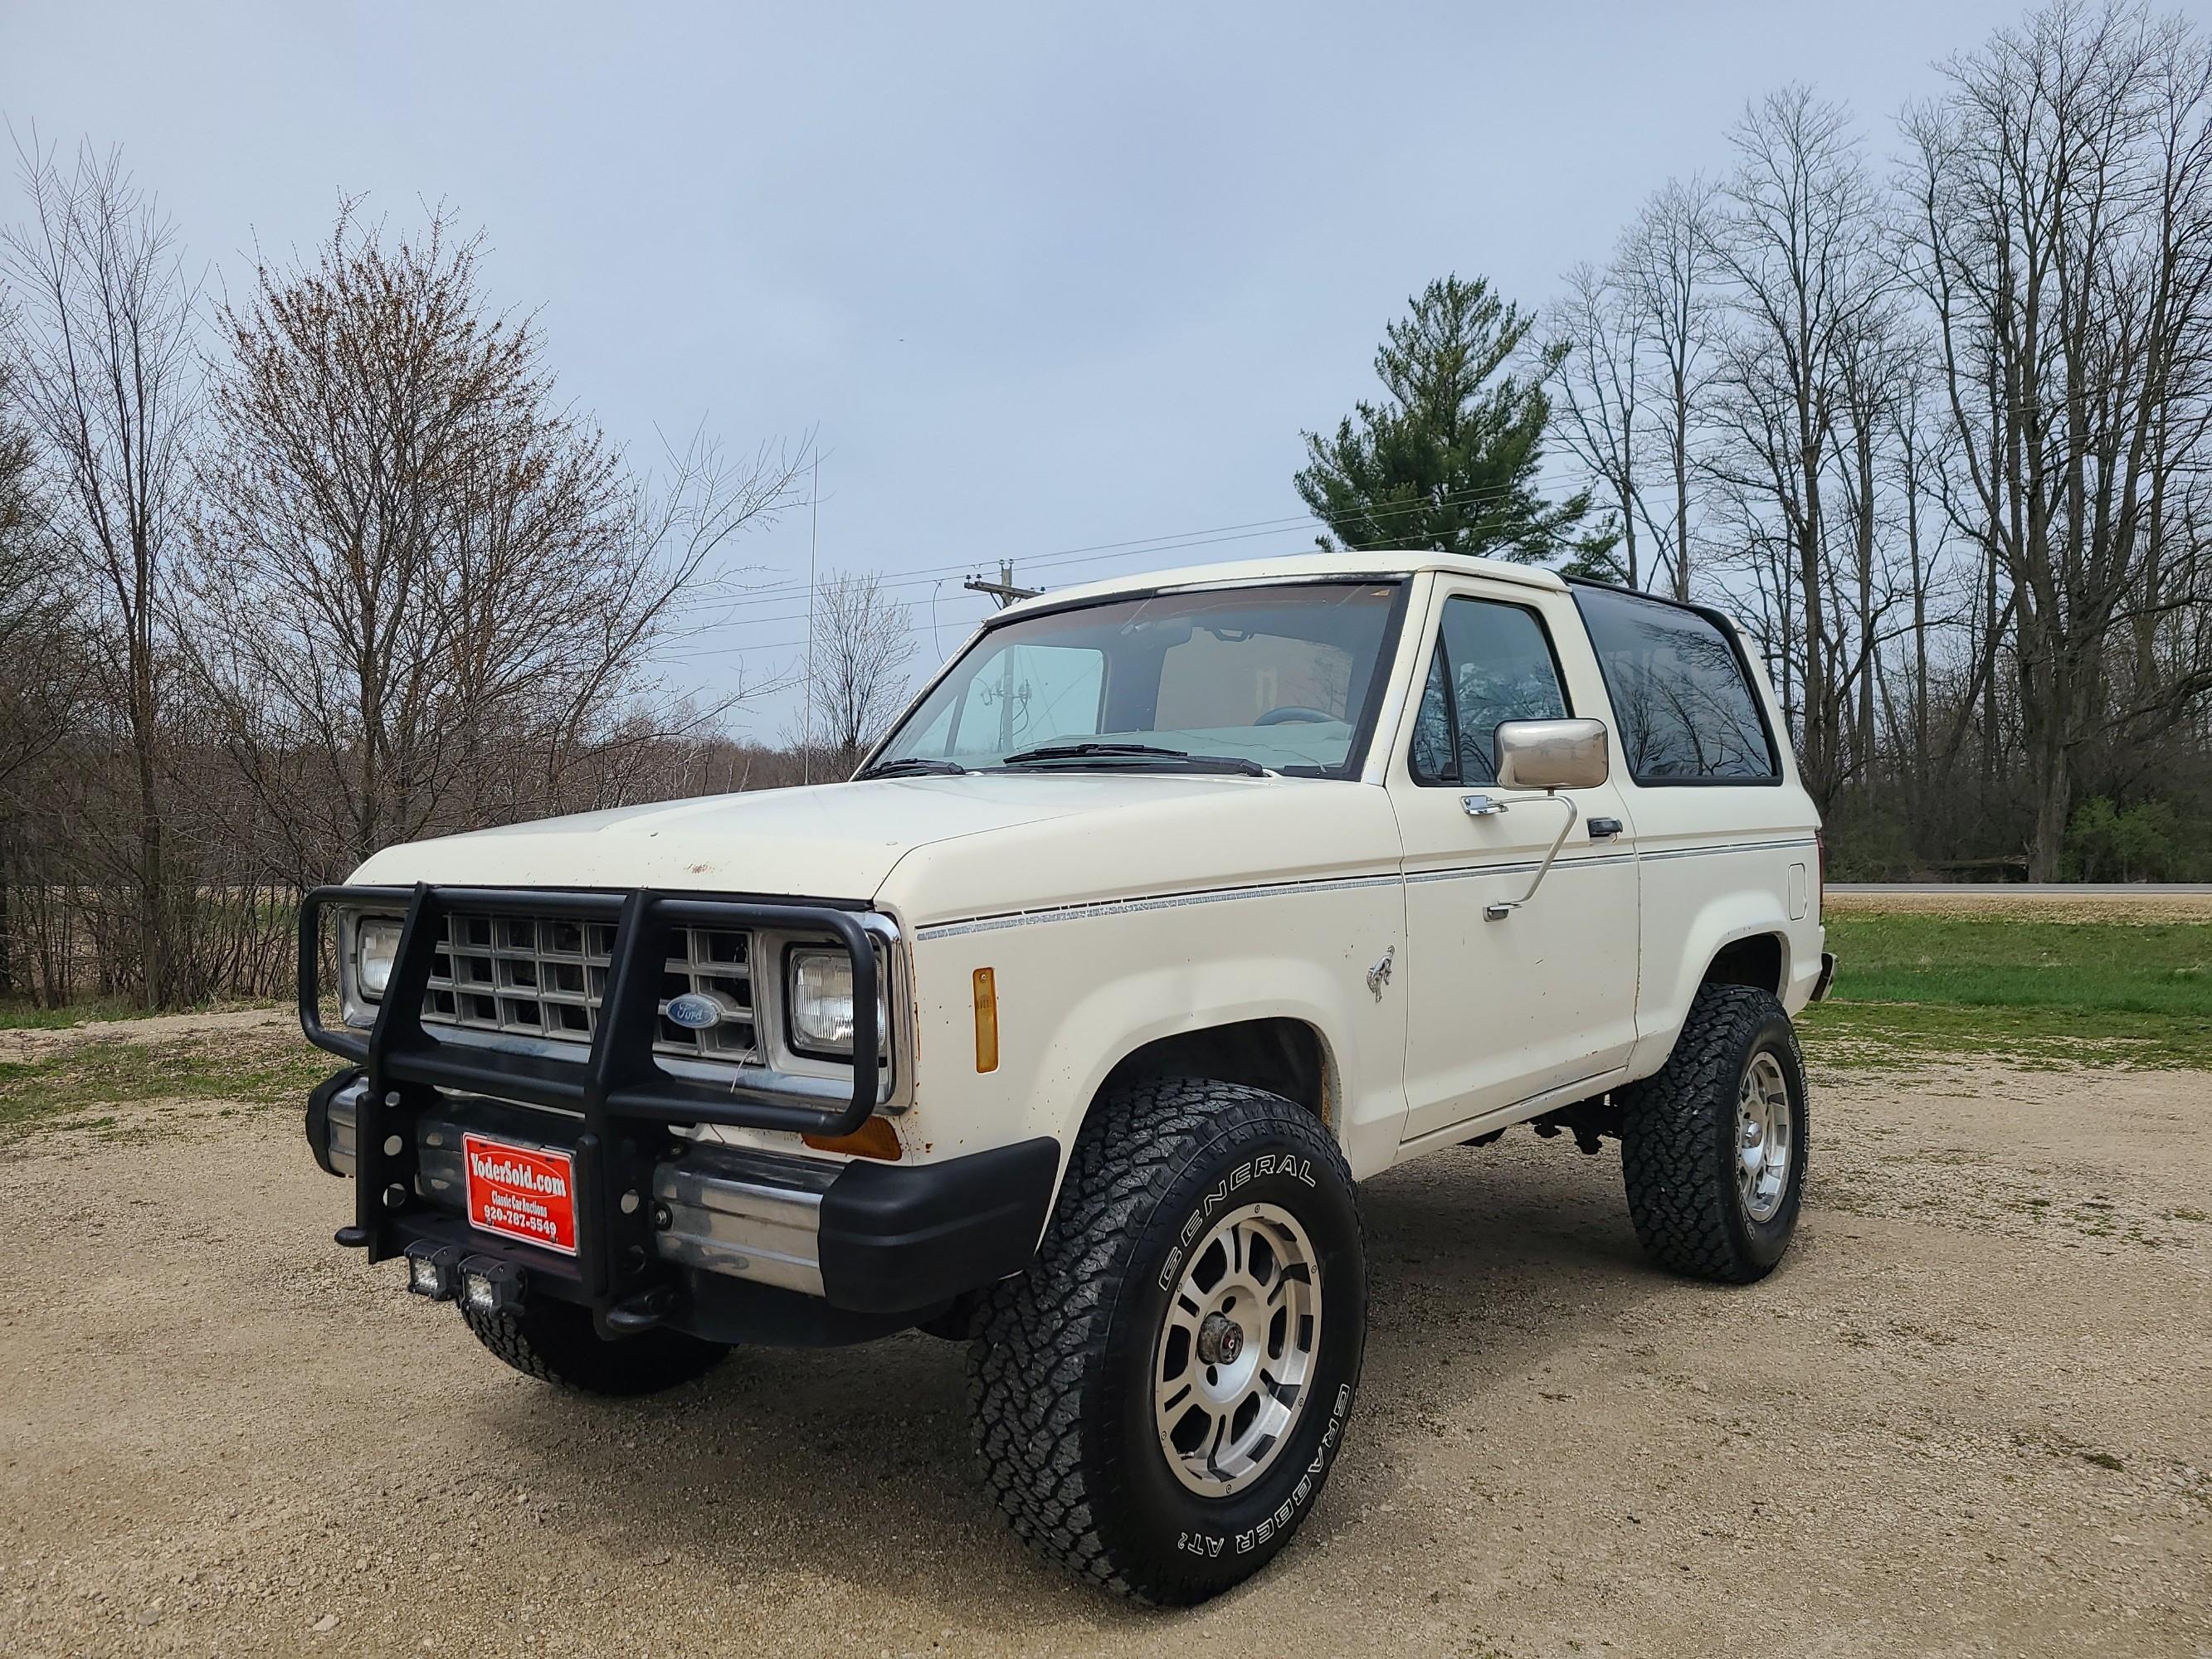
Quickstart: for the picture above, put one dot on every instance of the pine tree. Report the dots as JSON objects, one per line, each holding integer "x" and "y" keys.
{"x": 1448, "y": 461}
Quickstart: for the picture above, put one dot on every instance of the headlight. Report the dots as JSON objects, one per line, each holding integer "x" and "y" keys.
{"x": 375, "y": 948}
{"x": 819, "y": 994}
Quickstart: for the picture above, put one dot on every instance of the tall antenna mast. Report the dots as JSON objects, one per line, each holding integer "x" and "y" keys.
{"x": 813, "y": 540}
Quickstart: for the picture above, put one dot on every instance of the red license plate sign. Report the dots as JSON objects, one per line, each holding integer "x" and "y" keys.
{"x": 522, "y": 1193}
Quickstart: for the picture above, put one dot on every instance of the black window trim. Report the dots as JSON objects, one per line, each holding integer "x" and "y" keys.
{"x": 1387, "y": 650}
{"x": 1728, "y": 631}
{"x": 1451, "y": 692}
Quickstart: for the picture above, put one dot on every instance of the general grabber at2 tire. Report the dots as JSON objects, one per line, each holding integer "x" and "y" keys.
{"x": 556, "y": 1342}
{"x": 1712, "y": 1146}
{"x": 1159, "y": 1398}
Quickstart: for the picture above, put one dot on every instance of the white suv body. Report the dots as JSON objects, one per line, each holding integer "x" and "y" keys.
{"x": 1117, "y": 909}
{"x": 1353, "y": 932}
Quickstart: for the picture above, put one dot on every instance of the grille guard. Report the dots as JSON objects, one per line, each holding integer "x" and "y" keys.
{"x": 626, "y": 1100}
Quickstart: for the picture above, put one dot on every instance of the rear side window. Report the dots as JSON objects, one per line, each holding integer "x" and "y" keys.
{"x": 1681, "y": 690}
{"x": 1492, "y": 664}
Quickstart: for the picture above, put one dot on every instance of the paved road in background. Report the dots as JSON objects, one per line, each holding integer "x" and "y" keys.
{"x": 2030, "y": 889}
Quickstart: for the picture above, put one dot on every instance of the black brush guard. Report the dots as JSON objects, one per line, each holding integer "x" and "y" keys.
{"x": 626, "y": 1102}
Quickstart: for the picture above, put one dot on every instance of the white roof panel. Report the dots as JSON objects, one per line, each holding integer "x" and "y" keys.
{"x": 1311, "y": 565}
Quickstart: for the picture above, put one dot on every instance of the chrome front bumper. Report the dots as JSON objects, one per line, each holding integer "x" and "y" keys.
{"x": 751, "y": 1215}
{"x": 858, "y": 1237}
{"x": 746, "y": 1214}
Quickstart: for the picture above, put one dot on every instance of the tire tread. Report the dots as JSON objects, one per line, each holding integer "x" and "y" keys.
{"x": 1042, "y": 1336}
{"x": 1669, "y": 1123}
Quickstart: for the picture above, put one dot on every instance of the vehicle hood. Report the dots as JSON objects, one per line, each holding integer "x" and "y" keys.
{"x": 932, "y": 847}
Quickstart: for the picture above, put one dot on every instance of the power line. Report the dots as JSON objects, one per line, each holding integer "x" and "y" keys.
{"x": 1169, "y": 542}
{"x": 740, "y": 650}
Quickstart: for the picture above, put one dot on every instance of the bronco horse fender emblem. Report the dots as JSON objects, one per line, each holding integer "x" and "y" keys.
{"x": 1379, "y": 974}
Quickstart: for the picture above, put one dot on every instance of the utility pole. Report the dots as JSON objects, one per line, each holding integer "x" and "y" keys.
{"x": 1002, "y": 590}
{"x": 1006, "y": 593}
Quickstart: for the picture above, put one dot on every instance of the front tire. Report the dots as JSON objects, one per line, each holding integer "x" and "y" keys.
{"x": 1712, "y": 1146}
{"x": 556, "y": 1342}
{"x": 1158, "y": 1399}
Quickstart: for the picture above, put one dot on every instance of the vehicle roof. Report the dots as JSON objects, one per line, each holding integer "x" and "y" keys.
{"x": 1371, "y": 563}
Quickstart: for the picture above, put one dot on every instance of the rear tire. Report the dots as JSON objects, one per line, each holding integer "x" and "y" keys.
{"x": 1158, "y": 1399}
{"x": 556, "y": 1342}
{"x": 1733, "y": 1090}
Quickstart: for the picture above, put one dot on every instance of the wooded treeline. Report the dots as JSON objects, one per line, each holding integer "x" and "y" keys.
{"x": 287, "y": 577}
{"x": 1933, "y": 413}
{"x": 295, "y": 570}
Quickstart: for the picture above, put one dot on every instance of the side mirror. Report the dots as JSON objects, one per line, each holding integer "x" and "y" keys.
{"x": 1553, "y": 754}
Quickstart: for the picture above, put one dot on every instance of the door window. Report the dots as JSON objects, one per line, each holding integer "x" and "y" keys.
{"x": 1681, "y": 692}
{"x": 1494, "y": 663}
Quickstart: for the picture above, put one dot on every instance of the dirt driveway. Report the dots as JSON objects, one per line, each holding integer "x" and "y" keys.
{"x": 1971, "y": 1415}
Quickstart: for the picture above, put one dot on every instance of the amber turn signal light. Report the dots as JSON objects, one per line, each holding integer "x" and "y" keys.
{"x": 987, "y": 1021}
{"x": 874, "y": 1138}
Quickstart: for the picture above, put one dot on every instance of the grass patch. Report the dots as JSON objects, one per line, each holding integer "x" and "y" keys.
{"x": 71, "y": 1087}
{"x": 2135, "y": 968}
{"x": 1914, "y": 987}
{"x": 19, "y": 1015}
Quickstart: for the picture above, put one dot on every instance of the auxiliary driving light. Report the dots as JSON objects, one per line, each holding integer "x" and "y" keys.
{"x": 491, "y": 1285}
{"x": 433, "y": 1269}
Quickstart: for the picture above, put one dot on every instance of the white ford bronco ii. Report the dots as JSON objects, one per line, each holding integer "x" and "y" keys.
{"x": 1171, "y": 909}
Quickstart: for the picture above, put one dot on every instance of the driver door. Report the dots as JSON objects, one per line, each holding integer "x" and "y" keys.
{"x": 1501, "y": 1011}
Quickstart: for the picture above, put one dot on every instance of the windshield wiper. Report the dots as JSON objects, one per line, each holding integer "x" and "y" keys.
{"x": 917, "y": 765}
{"x": 1142, "y": 753}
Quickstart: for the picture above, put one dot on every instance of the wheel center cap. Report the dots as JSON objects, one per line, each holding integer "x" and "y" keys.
{"x": 1220, "y": 1340}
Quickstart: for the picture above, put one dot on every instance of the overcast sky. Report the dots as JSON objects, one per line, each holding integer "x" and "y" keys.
{"x": 1041, "y": 279}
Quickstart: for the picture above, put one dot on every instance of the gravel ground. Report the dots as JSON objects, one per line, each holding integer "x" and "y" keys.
{"x": 1971, "y": 1415}
{"x": 2034, "y": 903}
{"x": 34, "y": 1042}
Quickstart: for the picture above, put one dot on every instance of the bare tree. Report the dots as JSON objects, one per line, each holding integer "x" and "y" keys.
{"x": 2064, "y": 194}
{"x": 426, "y": 596}
{"x": 863, "y": 640}
{"x": 40, "y": 674}
{"x": 102, "y": 344}
{"x": 1596, "y": 336}
{"x": 1801, "y": 248}
{"x": 1665, "y": 272}
{"x": 38, "y": 686}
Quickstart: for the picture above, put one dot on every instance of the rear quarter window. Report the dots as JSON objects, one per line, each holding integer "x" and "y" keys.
{"x": 1681, "y": 692}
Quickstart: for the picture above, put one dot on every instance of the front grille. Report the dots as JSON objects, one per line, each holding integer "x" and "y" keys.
{"x": 538, "y": 977}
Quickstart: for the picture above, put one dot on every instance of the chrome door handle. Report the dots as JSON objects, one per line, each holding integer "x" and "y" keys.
{"x": 1481, "y": 806}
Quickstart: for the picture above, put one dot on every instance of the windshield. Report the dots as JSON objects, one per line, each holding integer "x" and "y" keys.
{"x": 1231, "y": 679}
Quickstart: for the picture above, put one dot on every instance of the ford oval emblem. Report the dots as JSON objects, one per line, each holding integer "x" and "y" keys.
{"x": 694, "y": 1012}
